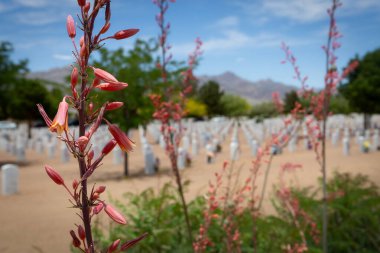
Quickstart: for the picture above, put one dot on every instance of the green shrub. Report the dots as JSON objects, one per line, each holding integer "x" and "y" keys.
{"x": 354, "y": 218}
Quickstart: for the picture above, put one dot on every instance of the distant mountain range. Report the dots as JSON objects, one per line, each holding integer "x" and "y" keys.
{"x": 254, "y": 92}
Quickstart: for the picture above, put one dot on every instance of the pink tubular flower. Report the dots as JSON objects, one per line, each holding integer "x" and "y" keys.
{"x": 125, "y": 34}
{"x": 109, "y": 146}
{"x": 114, "y": 215}
{"x": 115, "y": 86}
{"x": 54, "y": 175}
{"x": 121, "y": 138}
{"x": 113, "y": 106}
{"x": 70, "y": 25}
{"x": 60, "y": 123}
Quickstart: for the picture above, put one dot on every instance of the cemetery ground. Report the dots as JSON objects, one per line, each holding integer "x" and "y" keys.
{"x": 39, "y": 217}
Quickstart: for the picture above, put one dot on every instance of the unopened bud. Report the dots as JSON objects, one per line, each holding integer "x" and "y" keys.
{"x": 100, "y": 189}
{"x": 98, "y": 208}
{"x": 74, "y": 77}
{"x": 90, "y": 155}
{"x": 75, "y": 184}
{"x": 114, "y": 215}
{"x": 82, "y": 143}
{"x": 87, "y": 7}
{"x": 113, "y": 106}
{"x": 70, "y": 25}
{"x": 76, "y": 242}
{"x": 105, "y": 28}
{"x": 81, "y": 3}
{"x": 125, "y": 34}
{"x": 109, "y": 147}
{"x": 81, "y": 232}
{"x": 54, "y": 175}
{"x": 113, "y": 246}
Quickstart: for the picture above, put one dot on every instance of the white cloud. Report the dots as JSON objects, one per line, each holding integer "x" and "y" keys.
{"x": 234, "y": 39}
{"x": 302, "y": 10}
{"x": 37, "y": 18}
{"x": 33, "y": 3}
{"x": 63, "y": 57}
{"x": 229, "y": 21}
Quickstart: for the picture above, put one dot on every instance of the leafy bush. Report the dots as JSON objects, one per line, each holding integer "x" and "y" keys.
{"x": 354, "y": 218}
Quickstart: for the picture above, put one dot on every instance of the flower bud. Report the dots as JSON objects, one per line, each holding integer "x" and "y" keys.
{"x": 90, "y": 155}
{"x": 113, "y": 246}
{"x": 81, "y": 3}
{"x": 81, "y": 232}
{"x": 82, "y": 143}
{"x": 112, "y": 86}
{"x": 114, "y": 215}
{"x": 105, "y": 28}
{"x": 95, "y": 196}
{"x": 125, "y": 34}
{"x": 74, "y": 77}
{"x": 100, "y": 189}
{"x": 54, "y": 175}
{"x": 76, "y": 242}
{"x": 87, "y": 7}
{"x": 70, "y": 25}
{"x": 133, "y": 242}
{"x": 81, "y": 41}
{"x": 104, "y": 75}
{"x": 98, "y": 208}
{"x": 75, "y": 184}
{"x": 113, "y": 106}
{"x": 109, "y": 146}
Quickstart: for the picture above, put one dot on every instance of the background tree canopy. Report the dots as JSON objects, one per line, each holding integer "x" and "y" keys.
{"x": 362, "y": 88}
{"x": 18, "y": 95}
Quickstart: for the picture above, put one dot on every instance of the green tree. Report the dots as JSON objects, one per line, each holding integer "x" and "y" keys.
{"x": 235, "y": 106}
{"x": 210, "y": 94}
{"x": 291, "y": 98}
{"x": 263, "y": 110}
{"x": 10, "y": 73}
{"x": 137, "y": 68}
{"x": 362, "y": 88}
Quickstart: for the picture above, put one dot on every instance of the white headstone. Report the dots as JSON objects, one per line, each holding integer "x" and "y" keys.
{"x": 346, "y": 146}
{"x": 10, "y": 178}
{"x": 254, "y": 147}
{"x": 117, "y": 155}
{"x": 149, "y": 160}
{"x": 181, "y": 159}
{"x": 65, "y": 155}
{"x": 234, "y": 151}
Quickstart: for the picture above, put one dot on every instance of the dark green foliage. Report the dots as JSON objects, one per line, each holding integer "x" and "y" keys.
{"x": 354, "y": 219}
{"x": 137, "y": 68}
{"x": 339, "y": 105}
{"x": 263, "y": 110}
{"x": 10, "y": 73}
{"x": 210, "y": 94}
{"x": 291, "y": 98}
{"x": 362, "y": 88}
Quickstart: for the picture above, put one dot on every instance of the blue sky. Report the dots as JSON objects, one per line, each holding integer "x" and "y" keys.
{"x": 242, "y": 36}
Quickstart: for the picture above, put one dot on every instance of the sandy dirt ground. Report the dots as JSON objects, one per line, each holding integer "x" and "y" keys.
{"x": 38, "y": 218}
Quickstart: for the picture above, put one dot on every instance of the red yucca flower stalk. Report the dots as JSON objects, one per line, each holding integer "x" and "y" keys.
{"x": 89, "y": 203}
{"x": 169, "y": 108}
{"x": 319, "y": 103}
